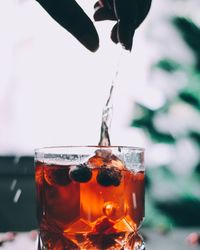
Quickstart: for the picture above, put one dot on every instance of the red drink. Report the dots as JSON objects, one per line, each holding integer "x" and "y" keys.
{"x": 98, "y": 204}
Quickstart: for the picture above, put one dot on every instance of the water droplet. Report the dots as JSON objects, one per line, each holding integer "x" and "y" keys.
{"x": 17, "y": 195}
{"x": 134, "y": 201}
{"x": 13, "y": 184}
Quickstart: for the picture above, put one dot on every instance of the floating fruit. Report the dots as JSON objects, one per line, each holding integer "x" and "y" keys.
{"x": 80, "y": 173}
{"x": 109, "y": 176}
{"x": 55, "y": 175}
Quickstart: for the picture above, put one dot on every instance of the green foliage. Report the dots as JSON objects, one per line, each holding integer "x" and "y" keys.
{"x": 146, "y": 122}
{"x": 195, "y": 136}
{"x": 168, "y": 65}
{"x": 182, "y": 209}
{"x": 197, "y": 170}
{"x": 191, "y": 99}
{"x": 191, "y": 34}
{"x": 191, "y": 92}
{"x": 147, "y": 181}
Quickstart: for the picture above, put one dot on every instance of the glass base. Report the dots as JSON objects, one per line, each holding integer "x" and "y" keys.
{"x": 120, "y": 241}
{"x": 134, "y": 242}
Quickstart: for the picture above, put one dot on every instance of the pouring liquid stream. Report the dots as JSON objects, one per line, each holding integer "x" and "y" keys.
{"x": 108, "y": 113}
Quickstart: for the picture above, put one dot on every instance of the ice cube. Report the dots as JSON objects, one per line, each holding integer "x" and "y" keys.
{"x": 104, "y": 157}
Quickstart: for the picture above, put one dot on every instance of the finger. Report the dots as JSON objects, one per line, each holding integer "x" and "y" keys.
{"x": 144, "y": 7}
{"x": 119, "y": 29}
{"x": 125, "y": 35}
{"x": 97, "y": 5}
{"x": 127, "y": 14}
{"x": 102, "y": 13}
{"x": 114, "y": 34}
{"x": 104, "y": 10}
{"x": 107, "y": 3}
{"x": 70, "y": 16}
{"x": 134, "y": 11}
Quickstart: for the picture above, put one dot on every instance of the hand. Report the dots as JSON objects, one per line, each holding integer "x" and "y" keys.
{"x": 129, "y": 14}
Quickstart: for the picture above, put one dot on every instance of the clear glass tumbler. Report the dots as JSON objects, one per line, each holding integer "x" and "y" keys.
{"x": 90, "y": 197}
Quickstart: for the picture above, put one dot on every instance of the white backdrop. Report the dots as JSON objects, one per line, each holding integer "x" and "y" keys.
{"x": 52, "y": 90}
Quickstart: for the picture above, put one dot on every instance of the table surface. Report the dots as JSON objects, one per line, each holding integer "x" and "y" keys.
{"x": 174, "y": 240}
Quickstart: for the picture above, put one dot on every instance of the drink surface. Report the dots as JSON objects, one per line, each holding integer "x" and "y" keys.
{"x": 94, "y": 205}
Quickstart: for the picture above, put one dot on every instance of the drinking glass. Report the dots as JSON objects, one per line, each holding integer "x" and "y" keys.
{"x": 90, "y": 197}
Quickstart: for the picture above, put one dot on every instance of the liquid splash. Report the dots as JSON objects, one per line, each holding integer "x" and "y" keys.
{"x": 17, "y": 195}
{"x": 13, "y": 184}
{"x": 107, "y": 115}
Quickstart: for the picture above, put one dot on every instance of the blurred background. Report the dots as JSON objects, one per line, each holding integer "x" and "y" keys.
{"x": 52, "y": 92}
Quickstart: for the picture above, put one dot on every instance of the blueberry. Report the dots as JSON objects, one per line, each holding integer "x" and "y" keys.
{"x": 80, "y": 173}
{"x": 55, "y": 175}
{"x": 109, "y": 176}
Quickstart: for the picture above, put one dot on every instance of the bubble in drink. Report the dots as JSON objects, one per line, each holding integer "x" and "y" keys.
{"x": 110, "y": 208}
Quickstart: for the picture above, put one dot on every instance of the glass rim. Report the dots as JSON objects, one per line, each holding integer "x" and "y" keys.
{"x": 132, "y": 156}
{"x": 42, "y": 149}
